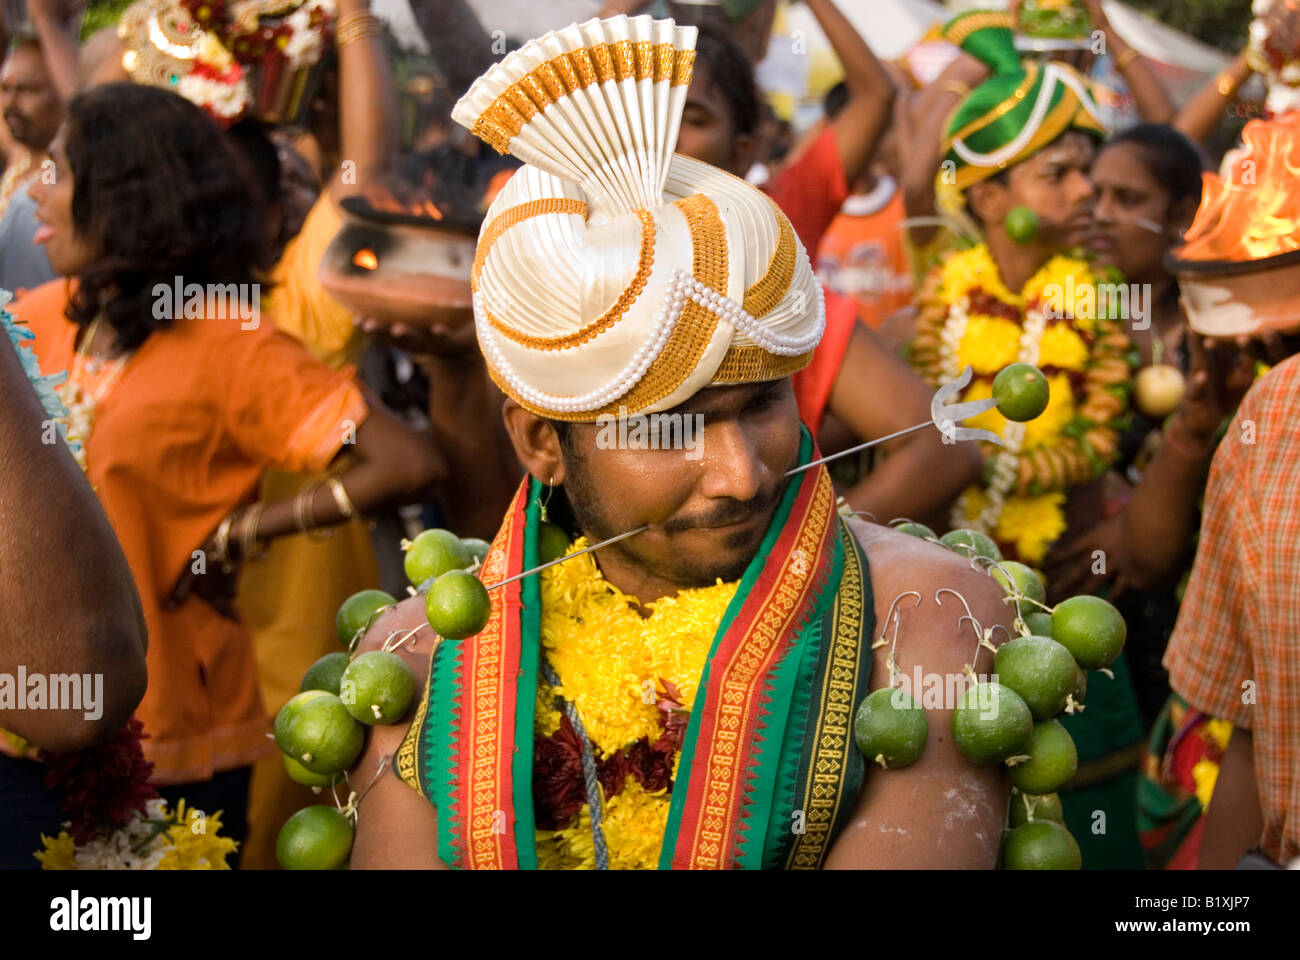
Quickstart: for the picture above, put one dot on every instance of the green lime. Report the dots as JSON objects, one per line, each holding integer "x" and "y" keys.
{"x": 991, "y": 722}
{"x": 287, "y": 713}
{"x": 458, "y": 605}
{"x": 1052, "y": 761}
{"x": 1021, "y": 225}
{"x": 324, "y": 674}
{"x": 1027, "y": 806}
{"x": 314, "y": 838}
{"x": 890, "y": 728}
{"x": 357, "y": 611}
{"x": 478, "y": 549}
{"x": 1040, "y": 670}
{"x": 971, "y": 543}
{"x": 552, "y": 542}
{"x": 1041, "y": 845}
{"x": 300, "y": 774}
{"x": 377, "y": 687}
{"x": 912, "y": 528}
{"x": 433, "y": 553}
{"x": 1021, "y": 391}
{"x": 1091, "y": 629}
{"x": 323, "y": 737}
{"x": 1039, "y": 623}
{"x": 1022, "y": 580}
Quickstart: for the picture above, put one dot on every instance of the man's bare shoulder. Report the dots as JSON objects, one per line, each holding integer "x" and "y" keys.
{"x": 406, "y": 619}
{"x": 901, "y": 562}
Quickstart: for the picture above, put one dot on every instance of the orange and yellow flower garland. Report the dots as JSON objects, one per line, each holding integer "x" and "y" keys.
{"x": 968, "y": 316}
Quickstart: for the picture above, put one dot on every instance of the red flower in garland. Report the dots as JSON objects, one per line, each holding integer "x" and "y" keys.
{"x": 104, "y": 784}
{"x": 559, "y": 789}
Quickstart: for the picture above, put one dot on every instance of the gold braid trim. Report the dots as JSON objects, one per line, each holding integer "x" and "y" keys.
{"x": 560, "y": 76}
{"x": 753, "y": 364}
{"x": 770, "y": 289}
{"x": 963, "y": 27}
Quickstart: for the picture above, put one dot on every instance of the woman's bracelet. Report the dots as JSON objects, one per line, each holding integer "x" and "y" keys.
{"x": 304, "y": 514}
{"x": 248, "y": 532}
{"x": 221, "y": 541}
{"x": 341, "y": 498}
{"x": 1125, "y": 57}
{"x": 354, "y": 26}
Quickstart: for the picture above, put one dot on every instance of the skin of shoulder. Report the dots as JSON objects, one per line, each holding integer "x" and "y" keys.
{"x": 944, "y": 811}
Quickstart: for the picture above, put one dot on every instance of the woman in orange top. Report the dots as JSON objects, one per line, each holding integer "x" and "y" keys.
{"x": 180, "y": 407}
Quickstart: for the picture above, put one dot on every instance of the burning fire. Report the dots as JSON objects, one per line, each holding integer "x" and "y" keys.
{"x": 1255, "y": 213}
{"x": 414, "y": 202}
{"x": 366, "y": 259}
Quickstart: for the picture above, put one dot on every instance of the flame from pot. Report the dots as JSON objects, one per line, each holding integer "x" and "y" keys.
{"x": 366, "y": 259}
{"x": 1255, "y": 212}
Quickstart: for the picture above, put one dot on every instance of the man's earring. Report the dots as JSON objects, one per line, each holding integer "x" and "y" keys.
{"x": 550, "y": 489}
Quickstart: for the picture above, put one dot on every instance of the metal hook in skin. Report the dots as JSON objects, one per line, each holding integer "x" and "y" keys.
{"x": 891, "y": 663}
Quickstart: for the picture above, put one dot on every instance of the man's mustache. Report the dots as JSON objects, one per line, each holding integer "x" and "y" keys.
{"x": 727, "y": 512}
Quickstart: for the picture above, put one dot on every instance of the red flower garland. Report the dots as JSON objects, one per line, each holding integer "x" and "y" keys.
{"x": 102, "y": 785}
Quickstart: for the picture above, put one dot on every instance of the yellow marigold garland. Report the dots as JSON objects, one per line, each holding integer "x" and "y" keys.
{"x": 606, "y": 656}
{"x": 1077, "y": 436}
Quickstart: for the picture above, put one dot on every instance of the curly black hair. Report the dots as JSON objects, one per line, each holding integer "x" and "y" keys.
{"x": 732, "y": 73}
{"x": 158, "y": 193}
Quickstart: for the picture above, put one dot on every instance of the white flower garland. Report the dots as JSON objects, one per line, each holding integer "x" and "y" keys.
{"x": 1006, "y": 463}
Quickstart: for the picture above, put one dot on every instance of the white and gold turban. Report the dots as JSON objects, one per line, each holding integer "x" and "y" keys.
{"x": 612, "y": 275}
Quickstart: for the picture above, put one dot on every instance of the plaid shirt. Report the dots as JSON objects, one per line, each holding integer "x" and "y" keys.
{"x": 1235, "y": 652}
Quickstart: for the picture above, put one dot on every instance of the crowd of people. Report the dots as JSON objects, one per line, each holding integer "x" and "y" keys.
{"x": 249, "y": 462}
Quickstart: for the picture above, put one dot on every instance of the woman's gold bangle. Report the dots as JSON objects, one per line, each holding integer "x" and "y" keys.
{"x": 304, "y": 514}
{"x": 355, "y": 26}
{"x": 1226, "y": 84}
{"x": 248, "y": 532}
{"x": 1126, "y": 57}
{"x": 957, "y": 87}
{"x": 341, "y": 498}
{"x": 221, "y": 541}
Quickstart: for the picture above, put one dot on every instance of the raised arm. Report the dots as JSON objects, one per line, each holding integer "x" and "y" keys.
{"x": 461, "y": 48}
{"x": 1150, "y": 95}
{"x": 862, "y": 121}
{"x": 368, "y": 133}
{"x": 1201, "y": 114}
{"x": 56, "y": 23}
{"x": 922, "y": 142}
{"x": 69, "y": 601}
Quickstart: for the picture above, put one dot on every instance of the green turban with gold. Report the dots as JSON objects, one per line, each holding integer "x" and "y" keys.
{"x": 1019, "y": 110}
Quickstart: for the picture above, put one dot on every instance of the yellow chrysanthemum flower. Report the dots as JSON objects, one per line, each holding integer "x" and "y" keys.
{"x": 1066, "y": 287}
{"x": 1204, "y": 775}
{"x": 1062, "y": 347}
{"x": 196, "y": 843}
{"x": 633, "y": 821}
{"x": 967, "y": 270}
{"x": 1045, "y": 429}
{"x": 58, "y": 853}
{"x": 610, "y": 660}
{"x": 989, "y": 344}
{"x": 1032, "y": 524}
{"x": 1221, "y": 731}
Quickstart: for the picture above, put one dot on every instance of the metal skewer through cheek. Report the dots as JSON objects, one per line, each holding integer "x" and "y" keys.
{"x": 943, "y": 415}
